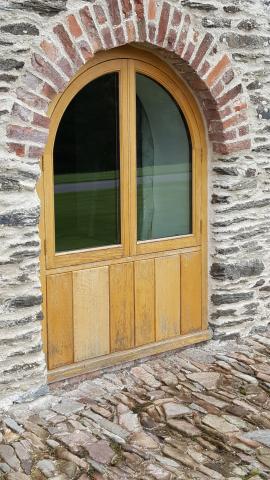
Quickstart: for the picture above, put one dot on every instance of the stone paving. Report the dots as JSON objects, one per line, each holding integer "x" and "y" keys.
{"x": 201, "y": 413}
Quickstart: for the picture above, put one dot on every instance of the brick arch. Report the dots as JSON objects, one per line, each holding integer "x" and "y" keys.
{"x": 78, "y": 36}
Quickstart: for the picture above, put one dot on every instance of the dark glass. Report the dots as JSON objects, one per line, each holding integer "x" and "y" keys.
{"x": 164, "y": 164}
{"x": 86, "y": 169}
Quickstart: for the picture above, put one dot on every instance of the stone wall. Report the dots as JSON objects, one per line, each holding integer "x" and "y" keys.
{"x": 222, "y": 49}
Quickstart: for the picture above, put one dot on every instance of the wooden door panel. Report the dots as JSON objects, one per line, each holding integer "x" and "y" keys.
{"x": 191, "y": 292}
{"x": 167, "y": 282}
{"x": 91, "y": 313}
{"x": 60, "y": 319}
{"x": 121, "y": 306}
{"x": 144, "y": 302}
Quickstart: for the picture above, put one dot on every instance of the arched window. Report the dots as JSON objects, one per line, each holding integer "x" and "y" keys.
{"x": 124, "y": 166}
{"x": 124, "y": 200}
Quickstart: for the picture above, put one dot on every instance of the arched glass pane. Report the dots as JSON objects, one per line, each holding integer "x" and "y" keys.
{"x": 86, "y": 169}
{"x": 164, "y": 164}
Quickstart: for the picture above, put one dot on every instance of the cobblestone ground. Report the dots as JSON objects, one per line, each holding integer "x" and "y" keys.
{"x": 203, "y": 413}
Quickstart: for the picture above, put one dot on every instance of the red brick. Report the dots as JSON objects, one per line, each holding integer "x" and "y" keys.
{"x": 163, "y": 23}
{"x": 189, "y": 51}
{"x": 152, "y": 10}
{"x": 22, "y": 113}
{"x": 131, "y": 32}
{"x": 74, "y": 26}
{"x": 90, "y": 29}
{"x": 217, "y": 71}
{"x": 26, "y": 134}
{"x": 119, "y": 36}
{"x": 17, "y": 148}
{"x": 230, "y": 95}
{"x": 41, "y": 121}
{"x": 228, "y": 76}
{"x": 235, "y": 120}
{"x": 31, "y": 99}
{"x": 139, "y": 9}
{"x": 222, "y": 136}
{"x": 114, "y": 12}
{"x": 68, "y": 45}
{"x": 106, "y": 34}
{"x": 202, "y": 50}
{"x": 48, "y": 91}
{"x": 152, "y": 32}
{"x": 176, "y": 18}
{"x": 230, "y": 122}
{"x": 100, "y": 14}
{"x": 204, "y": 69}
{"x": 171, "y": 39}
{"x": 244, "y": 130}
{"x": 43, "y": 67}
{"x": 211, "y": 114}
{"x": 50, "y": 50}
{"x": 65, "y": 66}
{"x": 183, "y": 36}
{"x": 35, "y": 152}
{"x": 85, "y": 50}
{"x": 217, "y": 89}
{"x": 126, "y": 8}
{"x": 228, "y": 148}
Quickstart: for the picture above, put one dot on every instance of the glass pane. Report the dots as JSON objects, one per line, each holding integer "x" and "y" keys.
{"x": 86, "y": 169}
{"x": 164, "y": 165}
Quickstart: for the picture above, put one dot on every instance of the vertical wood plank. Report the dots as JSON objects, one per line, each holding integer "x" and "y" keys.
{"x": 144, "y": 302}
{"x": 167, "y": 280}
{"x": 121, "y": 306}
{"x": 191, "y": 292}
{"x": 60, "y": 321}
{"x": 91, "y": 313}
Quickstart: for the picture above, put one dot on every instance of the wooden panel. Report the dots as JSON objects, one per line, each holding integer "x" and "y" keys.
{"x": 121, "y": 306}
{"x": 191, "y": 292}
{"x": 91, "y": 313}
{"x": 167, "y": 279}
{"x": 60, "y": 322}
{"x": 144, "y": 302}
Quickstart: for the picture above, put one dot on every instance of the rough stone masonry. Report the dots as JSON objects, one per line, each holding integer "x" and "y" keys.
{"x": 222, "y": 50}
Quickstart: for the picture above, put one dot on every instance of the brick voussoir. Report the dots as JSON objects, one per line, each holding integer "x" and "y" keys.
{"x": 32, "y": 100}
{"x": 202, "y": 50}
{"x": 90, "y": 29}
{"x": 230, "y": 95}
{"x": 17, "y": 132}
{"x": 107, "y": 37}
{"x": 126, "y": 7}
{"x": 68, "y": 45}
{"x": 180, "y": 45}
{"x": 114, "y": 12}
{"x": 218, "y": 70}
{"x": 228, "y": 148}
{"x": 48, "y": 71}
{"x": 176, "y": 18}
{"x": 74, "y": 26}
{"x": 141, "y": 20}
{"x": 119, "y": 36}
{"x": 163, "y": 23}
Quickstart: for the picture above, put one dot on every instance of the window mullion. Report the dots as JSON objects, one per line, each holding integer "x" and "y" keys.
{"x": 124, "y": 156}
{"x": 132, "y": 156}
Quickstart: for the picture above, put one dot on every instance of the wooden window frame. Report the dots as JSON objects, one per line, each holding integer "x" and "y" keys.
{"x": 127, "y": 61}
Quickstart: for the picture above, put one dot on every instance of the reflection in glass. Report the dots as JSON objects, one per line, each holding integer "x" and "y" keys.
{"x": 86, "y": 169}
{"x": 164, "y": 165}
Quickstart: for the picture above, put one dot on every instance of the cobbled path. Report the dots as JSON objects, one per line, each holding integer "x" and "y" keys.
{"x": 201, "y": 413}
